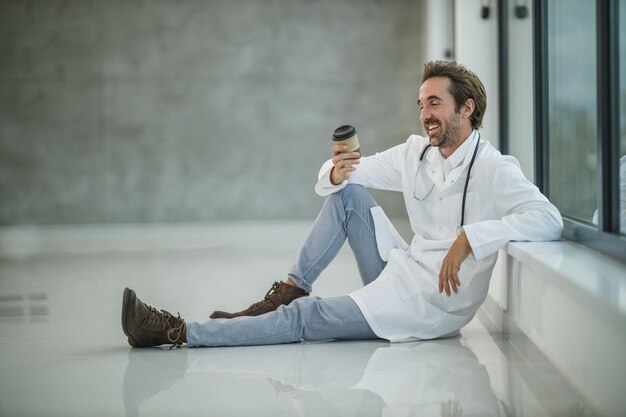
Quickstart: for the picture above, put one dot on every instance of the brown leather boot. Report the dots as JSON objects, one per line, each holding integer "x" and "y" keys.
{"x": 279, "y": 294}
{"x": 146, "y": 326}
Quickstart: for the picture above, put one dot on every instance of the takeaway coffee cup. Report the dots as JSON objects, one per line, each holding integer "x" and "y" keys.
{"x": 346, "y": 135}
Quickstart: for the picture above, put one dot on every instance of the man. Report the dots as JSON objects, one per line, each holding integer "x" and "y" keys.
{"x": 464, "y": 200}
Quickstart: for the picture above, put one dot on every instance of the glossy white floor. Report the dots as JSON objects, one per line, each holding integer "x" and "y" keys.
{"x": 63, "y": 353}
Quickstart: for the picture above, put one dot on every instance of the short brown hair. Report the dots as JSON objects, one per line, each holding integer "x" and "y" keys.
{"x": 464, "y": 84}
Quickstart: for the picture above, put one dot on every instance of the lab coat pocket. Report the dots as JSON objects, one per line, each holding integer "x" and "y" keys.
{"x": 387, "y": 237}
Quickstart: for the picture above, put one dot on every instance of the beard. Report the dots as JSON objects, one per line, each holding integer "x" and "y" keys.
{"x": 448, "y": 134}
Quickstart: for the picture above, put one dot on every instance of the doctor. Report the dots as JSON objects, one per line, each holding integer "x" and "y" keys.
{"x": 464, "y": 200}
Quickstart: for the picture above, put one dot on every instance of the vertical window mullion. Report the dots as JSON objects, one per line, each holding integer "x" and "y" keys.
{"x": 503, "y": 72}
{"x": 540, "y": 52}
{"x": 608, "y": 113}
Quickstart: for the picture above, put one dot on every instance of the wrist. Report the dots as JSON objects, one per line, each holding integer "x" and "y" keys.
{"x": 333, "y": 180}
{"x": 465, "y": 241}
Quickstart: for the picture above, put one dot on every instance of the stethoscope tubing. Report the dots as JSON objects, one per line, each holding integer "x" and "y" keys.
{"x": 469, "y": 171}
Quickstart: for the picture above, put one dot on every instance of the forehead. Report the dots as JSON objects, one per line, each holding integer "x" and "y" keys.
{"x": 435, "y": 87}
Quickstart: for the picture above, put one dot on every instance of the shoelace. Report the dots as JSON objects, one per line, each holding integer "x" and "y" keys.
{"x": 268, "y": 295}
{"x": 163, "y": 319}
{"x": 176, "y": 341}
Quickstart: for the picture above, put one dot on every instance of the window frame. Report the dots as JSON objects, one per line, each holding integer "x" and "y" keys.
{"x": 606, "y": 237}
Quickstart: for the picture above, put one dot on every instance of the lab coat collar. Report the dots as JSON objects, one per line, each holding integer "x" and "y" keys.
{"x": 460, "y": 154}
{"x": 462, "y": 158}
{"x": 434, "y": 168}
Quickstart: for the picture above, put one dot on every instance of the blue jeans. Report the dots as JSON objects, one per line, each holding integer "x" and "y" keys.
{"x": 345, "y": 214}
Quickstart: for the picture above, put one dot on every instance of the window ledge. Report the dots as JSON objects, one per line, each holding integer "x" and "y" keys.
{"x": 578, "y": 268}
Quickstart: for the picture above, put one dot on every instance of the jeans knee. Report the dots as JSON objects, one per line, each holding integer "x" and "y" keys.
{"x": 302, "y": 311}
{"x": 355, "y": 196}
{"x": 294, "y": 316}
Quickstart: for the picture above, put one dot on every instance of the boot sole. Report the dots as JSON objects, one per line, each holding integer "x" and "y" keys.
{"x": 128, "y": 300}
{"x": 224, "y": 315}
{"x": 221, "y": 315}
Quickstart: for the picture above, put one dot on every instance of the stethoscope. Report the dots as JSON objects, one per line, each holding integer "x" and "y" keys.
{"x": 469, "y": 171}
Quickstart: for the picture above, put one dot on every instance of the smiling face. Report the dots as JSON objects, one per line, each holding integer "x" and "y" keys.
{"x": 446, "y": 127}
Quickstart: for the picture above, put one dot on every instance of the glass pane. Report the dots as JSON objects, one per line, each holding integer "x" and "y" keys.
{"x": 521, "y": 106}
{"x": 622, "y": 95}
{"x": 572, "y": 171}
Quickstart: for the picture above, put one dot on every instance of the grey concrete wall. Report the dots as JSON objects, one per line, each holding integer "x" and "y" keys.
{"x": 166, "y": 111}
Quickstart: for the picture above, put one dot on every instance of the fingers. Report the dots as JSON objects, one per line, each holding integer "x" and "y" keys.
{"x": 344, "y": 162}
{"x": 347, "y": 164}
{"x": 453, "y": 284}
{"x": 343, "y": 169}
{"x": 343, "y": 150}
{"x": 449, "y": 279}
{"x": 346, "y": 157}
{"x": 449, "y": 273}
{"x": 337, "y": 149}
{"x": 444, "y": 285}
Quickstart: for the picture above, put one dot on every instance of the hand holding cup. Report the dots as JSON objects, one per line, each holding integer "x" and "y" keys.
{"x": 346, "y": 153}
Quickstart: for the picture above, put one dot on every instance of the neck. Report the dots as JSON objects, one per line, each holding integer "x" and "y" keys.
{"x": 463, "y": 135}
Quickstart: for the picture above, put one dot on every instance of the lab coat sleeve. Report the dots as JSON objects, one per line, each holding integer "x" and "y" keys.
{"x": 526, "y": 214}
{"x": 324, "y": 187}
{"x": 380, "y": 171}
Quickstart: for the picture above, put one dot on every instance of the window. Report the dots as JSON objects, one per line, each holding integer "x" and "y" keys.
{"x": 572, "y": 108}
{"x": 579, "y": 53}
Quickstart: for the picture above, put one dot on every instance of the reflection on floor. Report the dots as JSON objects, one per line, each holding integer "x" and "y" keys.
{"x": 64, "y": 353}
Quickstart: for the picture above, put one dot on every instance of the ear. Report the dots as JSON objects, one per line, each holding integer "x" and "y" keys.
{"x": 468, "y": 108}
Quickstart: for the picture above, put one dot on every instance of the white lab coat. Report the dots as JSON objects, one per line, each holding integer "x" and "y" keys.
{"x": 403, "y": 303}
